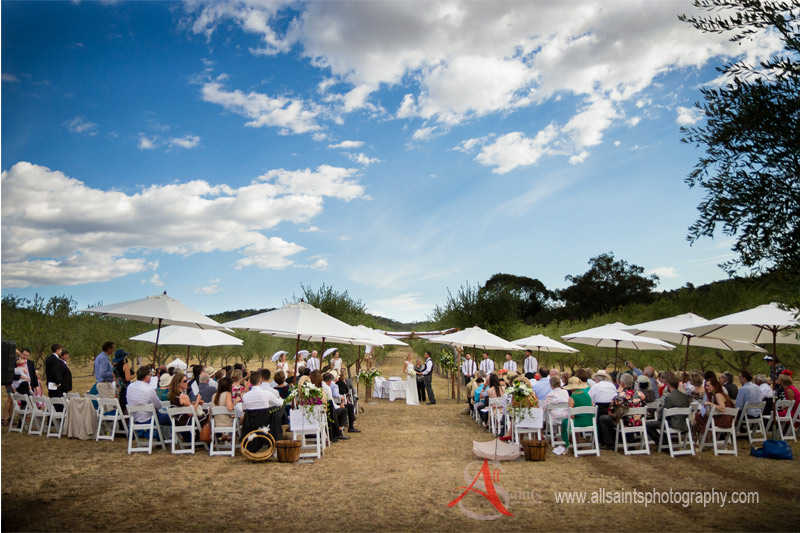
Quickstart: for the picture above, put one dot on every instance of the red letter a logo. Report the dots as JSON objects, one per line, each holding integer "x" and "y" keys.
{"x": 490, "y": 493}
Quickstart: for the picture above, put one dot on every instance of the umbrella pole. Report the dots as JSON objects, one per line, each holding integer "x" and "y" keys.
{"x": 539, "y": 357}
{"x": 295, "y": 360}
{"x": 155, "y": 350}
{"x": 686, "y": 359}
{"x": 187, "y": 354}
{"x": 774, "y": 399}
{"x": 616, "y": 351}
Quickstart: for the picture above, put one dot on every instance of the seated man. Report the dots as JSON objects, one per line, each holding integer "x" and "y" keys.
{"x": 204, "y": 388}
{"x": 262, "y": 407}
{"x": 337, "y": 416}
{"x": 627, "y": 399}
{"x": 141, "y": 393}
{"x": 749, "y": 393}
{"x": 602, "y": 392}
{"x": 674, "y": 398}
{"x": 340, "y": 402}
{"x": 266, "y": 378}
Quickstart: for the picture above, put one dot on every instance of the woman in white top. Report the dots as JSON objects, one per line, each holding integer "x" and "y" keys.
{"x": 336, "y": 362}
{"x": 411, "y": 381}
{"x": 282, "y": 364}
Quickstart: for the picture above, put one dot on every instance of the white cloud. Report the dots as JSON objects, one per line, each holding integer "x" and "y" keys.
{"x": 59, "y": 231}
{"x": 187, "y": 141}
{"x": 633, "y": 121}
{"x": 579, "y": 158}
{"x": 423, "y": 134}
{"x": 9, "y": 78}
{"x": 408, "y": 302}
{"x": 362, "y": 159}
{"x": 319, "y": 136}
{"x": 617, "y": 143}
{"x": 291, "y": 115}
{"x": 689, "y": 115}
{"x": 347, "y": 145}
{"x": 310, "y": 229}
{"x": 155, "y": 279}
{"x": 211, "y": 287}
{"x": 514, "y": 149}
{"x": 81, "y": 125}
{"x": 319, "y": 263}
{"x": 664, "y": 272}
{"x": 147, "y": 143}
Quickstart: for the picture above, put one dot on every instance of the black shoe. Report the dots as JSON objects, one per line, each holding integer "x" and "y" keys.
{"x": 334, "y": 439}
{"x": 344, "y": 437}
{"x": 431, "y": 403}
{"x": 607, "y": 447}
{"x": 353, "y": 430}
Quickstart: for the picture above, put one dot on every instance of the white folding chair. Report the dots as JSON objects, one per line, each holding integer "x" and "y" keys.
{"x": 109, "y": 416}
{"x": 720, "y": 446}
{"x": 528, "y": 421}
{"x": 495, "y": 415}
{"x": 592, "y": 447}
{"x": 56, "y": 417}
{"x": 223, "y": 447}
{"x": 149, "y": 427}
{"x": 624, "y": 431}
{"x": 553, "y": 427}
{"x": 785, "y": 422}
{"x": 752, "y": 427}
{"x": 179, "y": 444}
{"x": 39, "y": 412}
{"x": 684, "y": 438}
{"x": 303, "y": 425}
{"x": 322, "y": 413}
{"x": 652, "y": 409}
{"x": 22, "y": 410}
{"x": 70, "y": 395}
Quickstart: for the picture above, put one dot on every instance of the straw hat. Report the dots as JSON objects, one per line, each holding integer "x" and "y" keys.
{"x": 164, "y": 381}
{"x": 335, "y": 374}
{"x": 602, "y": 374}
{"x": 573, "y": 383}
{"x": 209, "y": 370}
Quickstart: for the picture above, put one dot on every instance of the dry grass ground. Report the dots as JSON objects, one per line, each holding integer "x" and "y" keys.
{"x": 398, "y": 474}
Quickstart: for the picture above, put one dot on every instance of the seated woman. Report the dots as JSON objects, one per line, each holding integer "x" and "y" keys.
{"x": 790, "y": 392}
{"x": 579, "y": 397}
{"x": 644, "y": 387}
{"x": 556, "y": 395}
{"x": 720, "y": 400}
{"x": 496, "y": 389}
{"x": 162, "y": 391}
{"x": 223, "y": 398}
{"x": 237, "y": 389}
{"x": 22, "y": 381}
{"x": 281, "y": 386}
{"x": 583, "y": 379}
{"x": 178, "y": 397}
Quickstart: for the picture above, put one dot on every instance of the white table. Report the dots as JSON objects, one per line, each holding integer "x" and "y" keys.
{"x": 392, "y": 389}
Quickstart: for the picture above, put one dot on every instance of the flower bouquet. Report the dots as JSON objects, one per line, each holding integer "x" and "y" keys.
{"x": 308, "y": 396}
{"x": 522, "y": 396}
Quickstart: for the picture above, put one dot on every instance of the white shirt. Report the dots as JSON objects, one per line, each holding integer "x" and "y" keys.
{"x": 313, "y": 364}
{"x": 511, "y": 366}
{"x": 603, "y": 392}
{"x": 258, "y": 398}
{"x": 530, "y": 364}
{"x": 327, "y": 389}
{"x": 468, "y": 367}
{"x": 428, "y": 367}
{"x": 766, "y": 391}
{"x": 267, "y": 386}
{"x": 141, "y": 393}
{"x": 337, "y": 364}
{"x": 487, "y": 365}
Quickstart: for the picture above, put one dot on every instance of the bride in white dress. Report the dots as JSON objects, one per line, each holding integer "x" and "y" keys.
{"x": 411, "y": 382}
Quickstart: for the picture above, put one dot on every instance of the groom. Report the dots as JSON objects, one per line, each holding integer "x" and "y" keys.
{"x": 427, "y": 376}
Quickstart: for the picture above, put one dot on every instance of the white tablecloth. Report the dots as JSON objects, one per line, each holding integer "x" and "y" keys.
{"x": 391, "y": 389}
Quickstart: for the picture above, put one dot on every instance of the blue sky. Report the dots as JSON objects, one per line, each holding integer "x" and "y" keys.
{"x": 230, "y": 152}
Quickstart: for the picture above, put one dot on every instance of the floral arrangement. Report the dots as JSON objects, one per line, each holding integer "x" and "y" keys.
{"x": 308, "y": 396}
{"x": 522, "y": 396}
{"x": 368, "y": 376}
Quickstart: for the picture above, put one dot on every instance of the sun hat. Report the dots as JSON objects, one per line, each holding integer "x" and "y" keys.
{"x": 164, "y": 381}
{"x": 119, "y": 355}
{"x": 209, "y": 370}
{"x": 602, "y": 374}
{"x": 335, "y": 374}
{"x": 643, "y": 379}
{"x": 768, "y": 358}
{"x": 511, "y": 375}
{"x": 573, "y": 383}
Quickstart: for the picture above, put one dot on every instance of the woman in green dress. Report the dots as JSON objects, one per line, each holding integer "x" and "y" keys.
{"x": 579, "y": 397}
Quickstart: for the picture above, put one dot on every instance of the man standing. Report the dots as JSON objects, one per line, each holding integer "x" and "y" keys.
{"x": 468, "y": 368}
{"x": 313, "y": 361}
{"x": 530, "y": 365}
{"x": 66, "y": 373}
{"x": 52, "y": 372}
{"x": 104, "y": 372}
{"x": 510, "y": 365}
{"x": 427, "y": 376}
{"x": 775, "y": 369}
{"x": 487, "y": 365}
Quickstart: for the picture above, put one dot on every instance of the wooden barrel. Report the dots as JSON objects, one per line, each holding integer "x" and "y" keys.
{"x": 534, "y": 449}
{"x": 288, "y": 450}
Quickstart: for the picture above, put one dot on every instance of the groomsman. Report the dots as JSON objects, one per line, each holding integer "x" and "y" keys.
{"x": 510, "y": 365}
{"x": 468, "y": 368}
{"x": 487, "y": 365}
{"x": 530, "y": 365}
{"x": 313, "y": 362}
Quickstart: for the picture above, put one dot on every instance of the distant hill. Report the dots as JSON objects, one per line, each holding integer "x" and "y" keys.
{"x": 227, "y": 316}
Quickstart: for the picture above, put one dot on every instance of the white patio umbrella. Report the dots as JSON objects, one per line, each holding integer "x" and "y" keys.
{"x": 543, "y": 342}
{"x": 299, "y": 321}
{"x": 477, "y": 338}
{"x": 761, "y": 325}
{"x": 180, "y": 335}
{"x": 379, "y": 337}
{"x": 672, "y": 330}
{"x": 159, "y": 309}
{"x": 613, "y": 336}
{"x": 277, "y": 355}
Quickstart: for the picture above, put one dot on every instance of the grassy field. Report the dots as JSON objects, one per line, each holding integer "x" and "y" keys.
{"x": 399, "y": 474}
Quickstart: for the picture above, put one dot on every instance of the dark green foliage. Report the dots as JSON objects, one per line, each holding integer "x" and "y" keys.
{"x": 607, "y": 285}
{"x": 493, "y": 310}
{"x": 534, "y": 300}
{"x": 751, "y": 168}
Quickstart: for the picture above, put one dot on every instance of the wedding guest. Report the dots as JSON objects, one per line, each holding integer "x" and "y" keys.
{"x": 583, "y": 379}
{"x": 122, "y": 375}
{"x": 719, "y": 399}
{"x": 487, "y": 365}
{"x": 530, "y": 365}
{"x": 204, "y": 388}
{"x": 468, "y": 368}
{"x": 542, "y": 387}
{"x": 282, "y": 365}
{"x": 749, "y": 393}
{"x": 674, "y": 398}
{"x": 626, "y": 399}
{"x": 579, "y": 397}
{"x": 212, "y": 380}
{"x": 790, "y": 392}
{"x": 178, "y": 397}
{"x": 775, "y": 370}
{"x": 510, "y": 365}
{"x": 644, "y": 388}
{"x": 222, "y": 397}
{"x": 162, "y": 391}
{"x": 337, "y": 417}
{"x": 281, "y": 386}
{"x": 336, "y": 362}
{"x": 418, "y": 368}
{"x": 766, "y": 392}
{"x": 313, "y": 361}
{"x": 141, "y": 393}
{"x": 556, "y": 395}
{"x": 194, "y": 380}
{"x": 730, "y": 387}
{"x": 266, "y": 376}
{"x": 495, "y": 390}
{"x": 237, "y": 389}
{"x": 340, "y": 401}
{"x": 104, "y": 372}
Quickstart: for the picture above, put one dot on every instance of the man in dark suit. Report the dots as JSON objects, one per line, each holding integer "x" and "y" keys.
{"x": 53, "y": 368}
{"x": 66, "y": 373}
{"x": 675, "y": 398}
{"x": 427, "y": 374}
